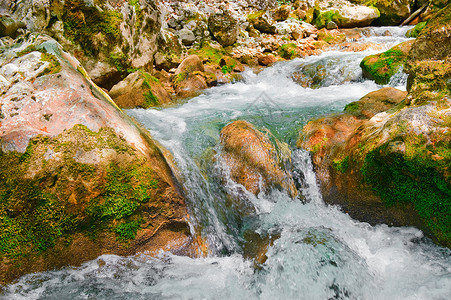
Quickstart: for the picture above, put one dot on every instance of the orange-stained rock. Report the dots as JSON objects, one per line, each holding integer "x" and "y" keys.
{"x": 253, "y": 160}
{"x": 267, "y": 60}
{"x": 140, "y": 89}
{"x": 78, "y": 177}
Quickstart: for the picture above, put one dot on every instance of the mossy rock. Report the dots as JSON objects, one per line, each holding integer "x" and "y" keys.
{"x": 210, "y": 54}
{"x": 387, "y": 165}
{"x": 289, "y": 51}
{"x": 421, "y": 178}
{"x": 429, "y": 61}
{"x": 78, "y": 187}
{"x": 414, "y": 32}
{"x": 381, "y": 67}
{"x": 331, "y": 37}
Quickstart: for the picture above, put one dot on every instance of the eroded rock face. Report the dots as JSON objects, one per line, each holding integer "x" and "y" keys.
{"x": 107, "y": 37}
{"x": 344, "y": 14}
{"x": 254, "y": 161}
{"x": 387, "y": 167}
{"x": 77, "y": 177}
{"x": 429, "y": 62}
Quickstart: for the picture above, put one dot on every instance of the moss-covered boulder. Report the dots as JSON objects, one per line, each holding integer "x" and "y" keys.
{"x": 344, "y": 14}
{"x": 254, "y": 161}
{"x": 429, "y": 61}
{"x": 414, "y": 32}
{"x": 389, "y": 167}
{"x": 107, "y": 37}
{"x": 262, "y": 21}
{"x": 78, "y": 178}
{"x": 224, "y": 28}
{"x": 140, "y": 89}
{"x": 381, "y": 67}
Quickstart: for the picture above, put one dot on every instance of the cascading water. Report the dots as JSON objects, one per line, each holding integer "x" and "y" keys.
{"x": 317, "y": 251}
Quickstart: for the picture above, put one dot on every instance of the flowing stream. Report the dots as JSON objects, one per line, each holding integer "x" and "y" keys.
{"x": 318, "y": 252}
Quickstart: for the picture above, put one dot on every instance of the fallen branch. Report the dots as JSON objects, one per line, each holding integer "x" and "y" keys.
{"x": 415, "y": 14}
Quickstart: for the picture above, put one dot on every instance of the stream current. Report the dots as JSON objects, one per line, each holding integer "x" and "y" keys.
{"x": 320, "y": 252}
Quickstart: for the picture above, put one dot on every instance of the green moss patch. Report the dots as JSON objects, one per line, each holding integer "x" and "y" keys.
{"x": 209, "y": 54}
{"x": 323, "y": 18}
{"x": 414, "y": 32}
{"x": 82, "y": 23}
{"x": 52, "y": 191}
{"x": 421, "y": 176}
{"x": 289, "y": 51}
{"x": 381, "y": 67}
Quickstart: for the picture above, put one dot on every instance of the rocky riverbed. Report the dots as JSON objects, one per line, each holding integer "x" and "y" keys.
{"x": 79, "y": 178}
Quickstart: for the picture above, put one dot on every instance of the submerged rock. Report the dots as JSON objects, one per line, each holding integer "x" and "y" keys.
{"x": 381, "y": 67}
{"x": 254, "y": 161}
{"x": 78, "y": 178}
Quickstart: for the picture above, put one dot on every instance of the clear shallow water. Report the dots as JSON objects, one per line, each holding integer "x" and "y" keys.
{"x": 318, "y": 251}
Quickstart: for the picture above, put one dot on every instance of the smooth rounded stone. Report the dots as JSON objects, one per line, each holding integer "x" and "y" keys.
{"x": 186, "y": 36}
{"x": 139, "y": 89}
{"x": 332, "y": 25}
{"x": 224, "y": 28}
{"x": 254, "y": 161}
{"x": 267, "y": 60}
{"x": 190, "y": 64}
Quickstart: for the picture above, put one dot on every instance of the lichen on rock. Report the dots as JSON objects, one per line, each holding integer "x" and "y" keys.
{"x": 78, "y": 178}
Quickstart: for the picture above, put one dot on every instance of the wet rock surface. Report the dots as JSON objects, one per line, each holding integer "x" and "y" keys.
{"x": 254, "y": 161}
{"x": 78, "y": 177}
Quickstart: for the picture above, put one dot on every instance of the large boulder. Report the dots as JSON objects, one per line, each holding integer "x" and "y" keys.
{"x": 429, "y": 61}
{"x": 224, "y": 28}
{"x": 381, "y": 67}
{"x": 391, "y": 12}
{"x": 344, "y": 14}
{"x": 388, "y": 167}
{"x": 140, "y": 89}
{"x": 394, "y": 166}
{"x": 78, "y": 178}
{"x": 254, "y": 161}
{"x": 107, "y": 37}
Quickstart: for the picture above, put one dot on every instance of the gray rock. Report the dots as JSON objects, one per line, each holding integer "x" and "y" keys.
{"x": 186, "y": 36}
{"x": 224, "y": 28}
